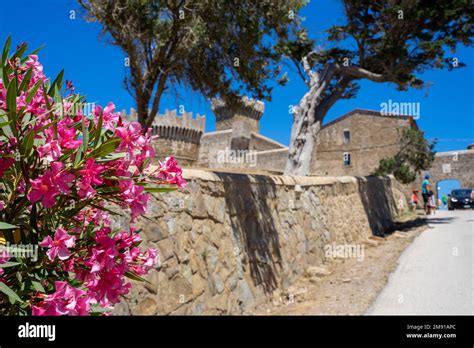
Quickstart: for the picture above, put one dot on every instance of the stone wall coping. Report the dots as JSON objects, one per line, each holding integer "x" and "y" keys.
{"x": 271, "y": 141}
{"x": 450, "y": 153}
{"x": 190, "y": 174}
{"x": 264, "y": 152}
{"x": 225, "y": 131}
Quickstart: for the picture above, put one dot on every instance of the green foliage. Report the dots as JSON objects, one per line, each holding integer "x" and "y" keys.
{"x": 397, "y": 39}
{"x": 415, "y": 155}
{"x": 214, "y": 47}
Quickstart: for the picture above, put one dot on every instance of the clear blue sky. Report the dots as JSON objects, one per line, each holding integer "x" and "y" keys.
{"x": 97, "y": 70}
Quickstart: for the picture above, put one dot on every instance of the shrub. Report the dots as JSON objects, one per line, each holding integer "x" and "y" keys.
{"x": 62, "y": 173}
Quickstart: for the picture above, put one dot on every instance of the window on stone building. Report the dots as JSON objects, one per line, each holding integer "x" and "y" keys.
{"x": 347, "y": 136}
{"x": 347, "y": 159}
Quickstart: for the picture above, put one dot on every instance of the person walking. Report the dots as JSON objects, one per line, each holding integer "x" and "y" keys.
{"x": 425, "y": 190}
{"x": 414, "y": 200}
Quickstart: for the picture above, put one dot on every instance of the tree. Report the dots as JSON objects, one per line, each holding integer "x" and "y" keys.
{"x": 216, "y": 48}
{"x": 415, "y": 154}
{"x": 394, "y": 41}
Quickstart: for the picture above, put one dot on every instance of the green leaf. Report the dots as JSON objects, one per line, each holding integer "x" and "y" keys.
{"x": 112, "y": 157}
{"x": 6, "y": 48}
{"x": 27, "y": 143}
{"x": 37, "y": 286}
{"x": 11, "y": 101}
{"x": 85, "y": 136}
{"x": 9, "y": 264}
{"x": 34, "y": 52}
{"x": 160, "y": 189}
{"x": 105, "y": 148}
{"x": 99, "y": 128}
{"x": 109, "y": 189}
{"x": 56, "y": 83}
{"x": 33, "y": 91}
{"x": 7, "y": 226}
{"x": 12, "y": 296}
{"x": 3, "y": 124}
{"x": 26, "y": 80}
{"x": 136, "y": 277}
{"x": 5, "y": 80}
{"x": 20, "y": 51}
{"x": 104, "y": 209}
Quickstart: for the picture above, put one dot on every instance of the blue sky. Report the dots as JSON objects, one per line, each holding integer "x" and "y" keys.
{"x": 97, "y": 70}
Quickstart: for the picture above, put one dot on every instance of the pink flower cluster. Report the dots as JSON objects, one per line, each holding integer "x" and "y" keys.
{"x": 101, "y": 267}
{"x": 62, "y": 171}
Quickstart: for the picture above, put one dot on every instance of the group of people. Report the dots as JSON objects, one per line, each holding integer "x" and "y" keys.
{"x": 429, "y": 200}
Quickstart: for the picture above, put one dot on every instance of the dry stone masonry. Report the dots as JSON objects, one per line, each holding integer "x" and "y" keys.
{"x": 230, "y": 242}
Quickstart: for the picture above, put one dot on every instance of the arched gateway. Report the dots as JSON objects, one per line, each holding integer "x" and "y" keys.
{"x": 458, "y": 165}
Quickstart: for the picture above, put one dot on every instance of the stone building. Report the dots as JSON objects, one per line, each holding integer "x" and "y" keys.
{"x": 236, "y": 143}
{"x": 354, "y": 143}
{"x": 178, "y": 135}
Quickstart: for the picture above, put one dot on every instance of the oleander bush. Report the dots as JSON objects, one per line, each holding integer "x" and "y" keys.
{"x": 62, "y": 175}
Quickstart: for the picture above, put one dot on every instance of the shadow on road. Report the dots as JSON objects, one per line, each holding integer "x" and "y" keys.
{"x": 406, "y": 226}
{"x": 440, "y": 220}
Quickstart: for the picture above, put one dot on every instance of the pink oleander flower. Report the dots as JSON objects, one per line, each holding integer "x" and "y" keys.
{"x": 2, "y": 205}
{"x": 44, "y": 189}
{"x": 59, "y": 246}
{"x": 4, "y": 257}
{"x": 50, "y": 184}
{"x": 110, "y": 118}
{"x": 90, "y": 176}
{"x": 66, "y": 300}
{"x": 5, "y": 163}
{"x": 170, "y": 172}
{"x": 51, "y": 150}
{"x": 62, "y": 179}
{"x": 110, "y": 286}
{"x": 135, "y": 198}
{"x": 131, "y": 136}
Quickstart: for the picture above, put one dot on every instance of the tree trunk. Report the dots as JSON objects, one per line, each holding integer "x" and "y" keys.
{"x": 142, "y": 110}
{"x": 304, "y": 131}
{"x": 308, "y": 118}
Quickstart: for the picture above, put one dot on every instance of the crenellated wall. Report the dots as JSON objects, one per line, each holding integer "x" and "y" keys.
{"x": 229, "y": 242}
{"x": 246, "y": 111}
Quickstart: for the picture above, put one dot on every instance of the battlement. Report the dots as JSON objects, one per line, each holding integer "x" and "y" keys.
{"x": 244, "y": 107}
{"x": 245, "y": 112}
{"x": 184, "y": 127}
{"x": 172, "y": 126}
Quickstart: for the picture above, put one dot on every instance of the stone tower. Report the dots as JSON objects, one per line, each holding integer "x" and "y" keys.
{"x": 178, "y": 136}
{"x": 242, "y": 117}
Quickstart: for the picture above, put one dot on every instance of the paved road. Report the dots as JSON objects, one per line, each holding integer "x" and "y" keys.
{"x": 435, "y": 274}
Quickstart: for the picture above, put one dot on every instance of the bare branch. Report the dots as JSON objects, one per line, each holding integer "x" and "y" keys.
{"x": 360, "y": 73}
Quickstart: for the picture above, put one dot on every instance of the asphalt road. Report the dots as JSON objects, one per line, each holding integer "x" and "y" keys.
{"x": 435, "y": 274}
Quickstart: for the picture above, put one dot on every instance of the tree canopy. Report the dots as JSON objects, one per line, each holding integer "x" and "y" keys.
{"x": 385, "y": 41}
{"x": 214, "y": 47}
{"x": 415, "y": 155}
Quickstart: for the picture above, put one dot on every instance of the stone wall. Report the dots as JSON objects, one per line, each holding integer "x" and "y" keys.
{"x": 186, "y": 153}
{"x": 457, "y": 165}
{"x": 259, "y": 142}
{"x": 272, "y": 160}
{"x": 219, "y": 140}
{"x": 230, "y": 242}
